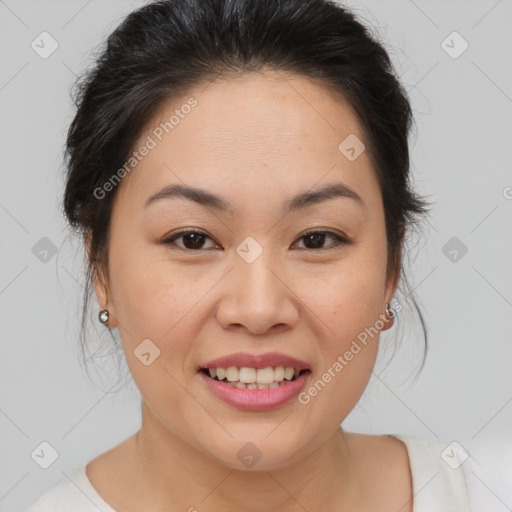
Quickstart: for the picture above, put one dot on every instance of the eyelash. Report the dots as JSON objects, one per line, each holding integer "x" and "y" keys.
{"x": 339, "y": 240}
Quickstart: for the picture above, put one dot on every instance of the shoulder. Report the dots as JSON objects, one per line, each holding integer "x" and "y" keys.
{"x": 445, "y": 474}
{"x": 383, "y": 463}
{"x": 428, "y": 473}
{"x": 71, "y": 493}
{"x": 381, "y": 452}
{"x": 438, "y": 478}
{"x": 61, "y": 496}
{"x": 485, "y": 491}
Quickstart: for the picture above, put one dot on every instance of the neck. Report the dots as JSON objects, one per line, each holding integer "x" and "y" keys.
{"x": 185, "y": 478}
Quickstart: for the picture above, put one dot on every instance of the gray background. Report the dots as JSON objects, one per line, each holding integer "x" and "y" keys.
{"x": 461, "y": 157}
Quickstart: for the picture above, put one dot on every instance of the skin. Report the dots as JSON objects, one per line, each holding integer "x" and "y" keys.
{"x": 256, "y": 140}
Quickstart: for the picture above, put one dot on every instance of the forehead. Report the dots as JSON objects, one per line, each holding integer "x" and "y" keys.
{"x": 270, "y": 131}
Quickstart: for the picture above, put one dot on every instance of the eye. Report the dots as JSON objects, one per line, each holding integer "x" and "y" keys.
{"x": 193, "y": 239}
{"x": 317, "y": 238}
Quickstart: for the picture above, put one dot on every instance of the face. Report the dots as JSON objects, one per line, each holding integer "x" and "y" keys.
{"x": 263, "y": 274}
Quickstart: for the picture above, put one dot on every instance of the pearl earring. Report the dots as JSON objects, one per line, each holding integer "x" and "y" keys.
{"x": 390, "y": 313}
{"x": 103, "y": 317}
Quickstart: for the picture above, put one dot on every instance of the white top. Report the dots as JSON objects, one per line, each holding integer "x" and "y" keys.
{"x": 444, "y": 480}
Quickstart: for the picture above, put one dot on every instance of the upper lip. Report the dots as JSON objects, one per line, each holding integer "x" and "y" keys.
{"x": 244, "y": 359}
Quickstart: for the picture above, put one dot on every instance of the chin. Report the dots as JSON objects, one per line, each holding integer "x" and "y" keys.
{"x": 256, "y": 453}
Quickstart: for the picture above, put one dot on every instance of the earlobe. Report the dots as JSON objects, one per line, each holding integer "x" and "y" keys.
{"x": 390, "y": 312}
{"x": 390, "y": 316}
{"x": 101, "y": 291}
{"x": 102, "y": 296}
{"x": 100, "y": 284}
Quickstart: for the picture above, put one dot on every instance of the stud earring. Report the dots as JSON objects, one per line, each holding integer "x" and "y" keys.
{"x": 103, "y": 317}
{"x": 390, "y": 313}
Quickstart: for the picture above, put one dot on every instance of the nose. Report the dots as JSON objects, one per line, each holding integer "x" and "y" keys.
{"x": 257, "y": 297}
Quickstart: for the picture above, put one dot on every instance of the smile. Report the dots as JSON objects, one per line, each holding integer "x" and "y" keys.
{"x": 254, "y": 378}
{"x": 253, "y": 389}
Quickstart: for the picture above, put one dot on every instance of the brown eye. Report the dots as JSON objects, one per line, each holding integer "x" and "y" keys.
{"x": 315, "y": 240}
{"x": 192, "y": 240}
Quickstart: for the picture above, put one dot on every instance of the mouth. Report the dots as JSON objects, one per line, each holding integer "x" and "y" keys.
{"x": 269, "y": 388}
{"x": 255, "y": 382}
{"x": 254, "y": 378}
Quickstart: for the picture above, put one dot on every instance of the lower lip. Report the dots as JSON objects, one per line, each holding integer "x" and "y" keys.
{"x": 255, "y": 399}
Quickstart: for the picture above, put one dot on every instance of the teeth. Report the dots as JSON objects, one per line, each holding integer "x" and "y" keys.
{"x": 252, "y": 378}
{"x": 232, "y": 374}
{"x": 247, "y": 375}
{"x": 265, "y": 376}
{"x": 288, "y": 373}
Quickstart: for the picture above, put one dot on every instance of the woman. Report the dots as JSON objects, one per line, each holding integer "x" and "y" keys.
{"x": 239, "y": 171}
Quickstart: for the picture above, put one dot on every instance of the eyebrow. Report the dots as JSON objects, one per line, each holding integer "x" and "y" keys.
{"x": 298, "y": 202}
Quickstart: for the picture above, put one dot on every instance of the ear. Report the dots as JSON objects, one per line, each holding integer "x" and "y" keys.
{"x": 391, "y": 286}
{"x": 100, "y": 282}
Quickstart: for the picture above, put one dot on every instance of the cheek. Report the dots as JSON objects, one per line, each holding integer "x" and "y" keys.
{"x": 348, "y": 304}
{"x": 348, "y": 340}
{"x": 141, "y": 289}
{"x": 159, "y": 300}
{"x": 349, "y": 298}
